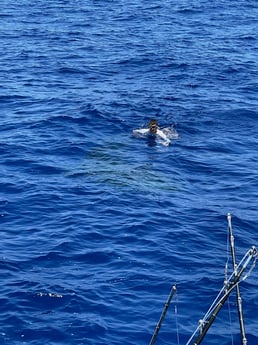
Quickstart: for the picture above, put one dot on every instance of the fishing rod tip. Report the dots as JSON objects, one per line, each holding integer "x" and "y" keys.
{"x": 254, "y": 251}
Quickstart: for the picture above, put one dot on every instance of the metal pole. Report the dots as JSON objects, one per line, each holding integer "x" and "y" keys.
{"x": 164, "y": 311}
{"x": 239, "y": 299}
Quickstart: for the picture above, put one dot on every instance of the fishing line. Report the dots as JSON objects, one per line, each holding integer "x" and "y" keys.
{"x": 227, "y": 261}
{"x": 230, "y": 321}
{"x": 176, "y": 317}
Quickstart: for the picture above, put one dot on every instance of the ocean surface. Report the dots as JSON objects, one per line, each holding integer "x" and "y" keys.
{"x": 97, "y": 225}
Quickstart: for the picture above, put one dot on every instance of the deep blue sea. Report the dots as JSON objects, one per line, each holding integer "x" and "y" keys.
{"x": 97, "y": 225}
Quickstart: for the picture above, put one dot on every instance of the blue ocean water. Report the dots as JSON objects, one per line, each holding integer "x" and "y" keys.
{"x": 96, "y": 225}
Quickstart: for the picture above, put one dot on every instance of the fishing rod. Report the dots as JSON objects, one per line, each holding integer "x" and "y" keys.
{"x": 163, "y": 314}
{"x": 209, "y": 318}
{"x": 238, "y": 295}
{"x": 229, "y": 285}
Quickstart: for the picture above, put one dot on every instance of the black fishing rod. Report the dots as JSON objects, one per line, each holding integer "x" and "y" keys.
{"x": 239, "y": 299}
{"x": 237, "y": 275}
{"x": 164, "y": 311}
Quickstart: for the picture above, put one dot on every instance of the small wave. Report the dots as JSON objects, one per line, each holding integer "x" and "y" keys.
{"x": 171, "y": 133}
{"x": 70, "y": 70}
{"x": 49, "y": 294}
